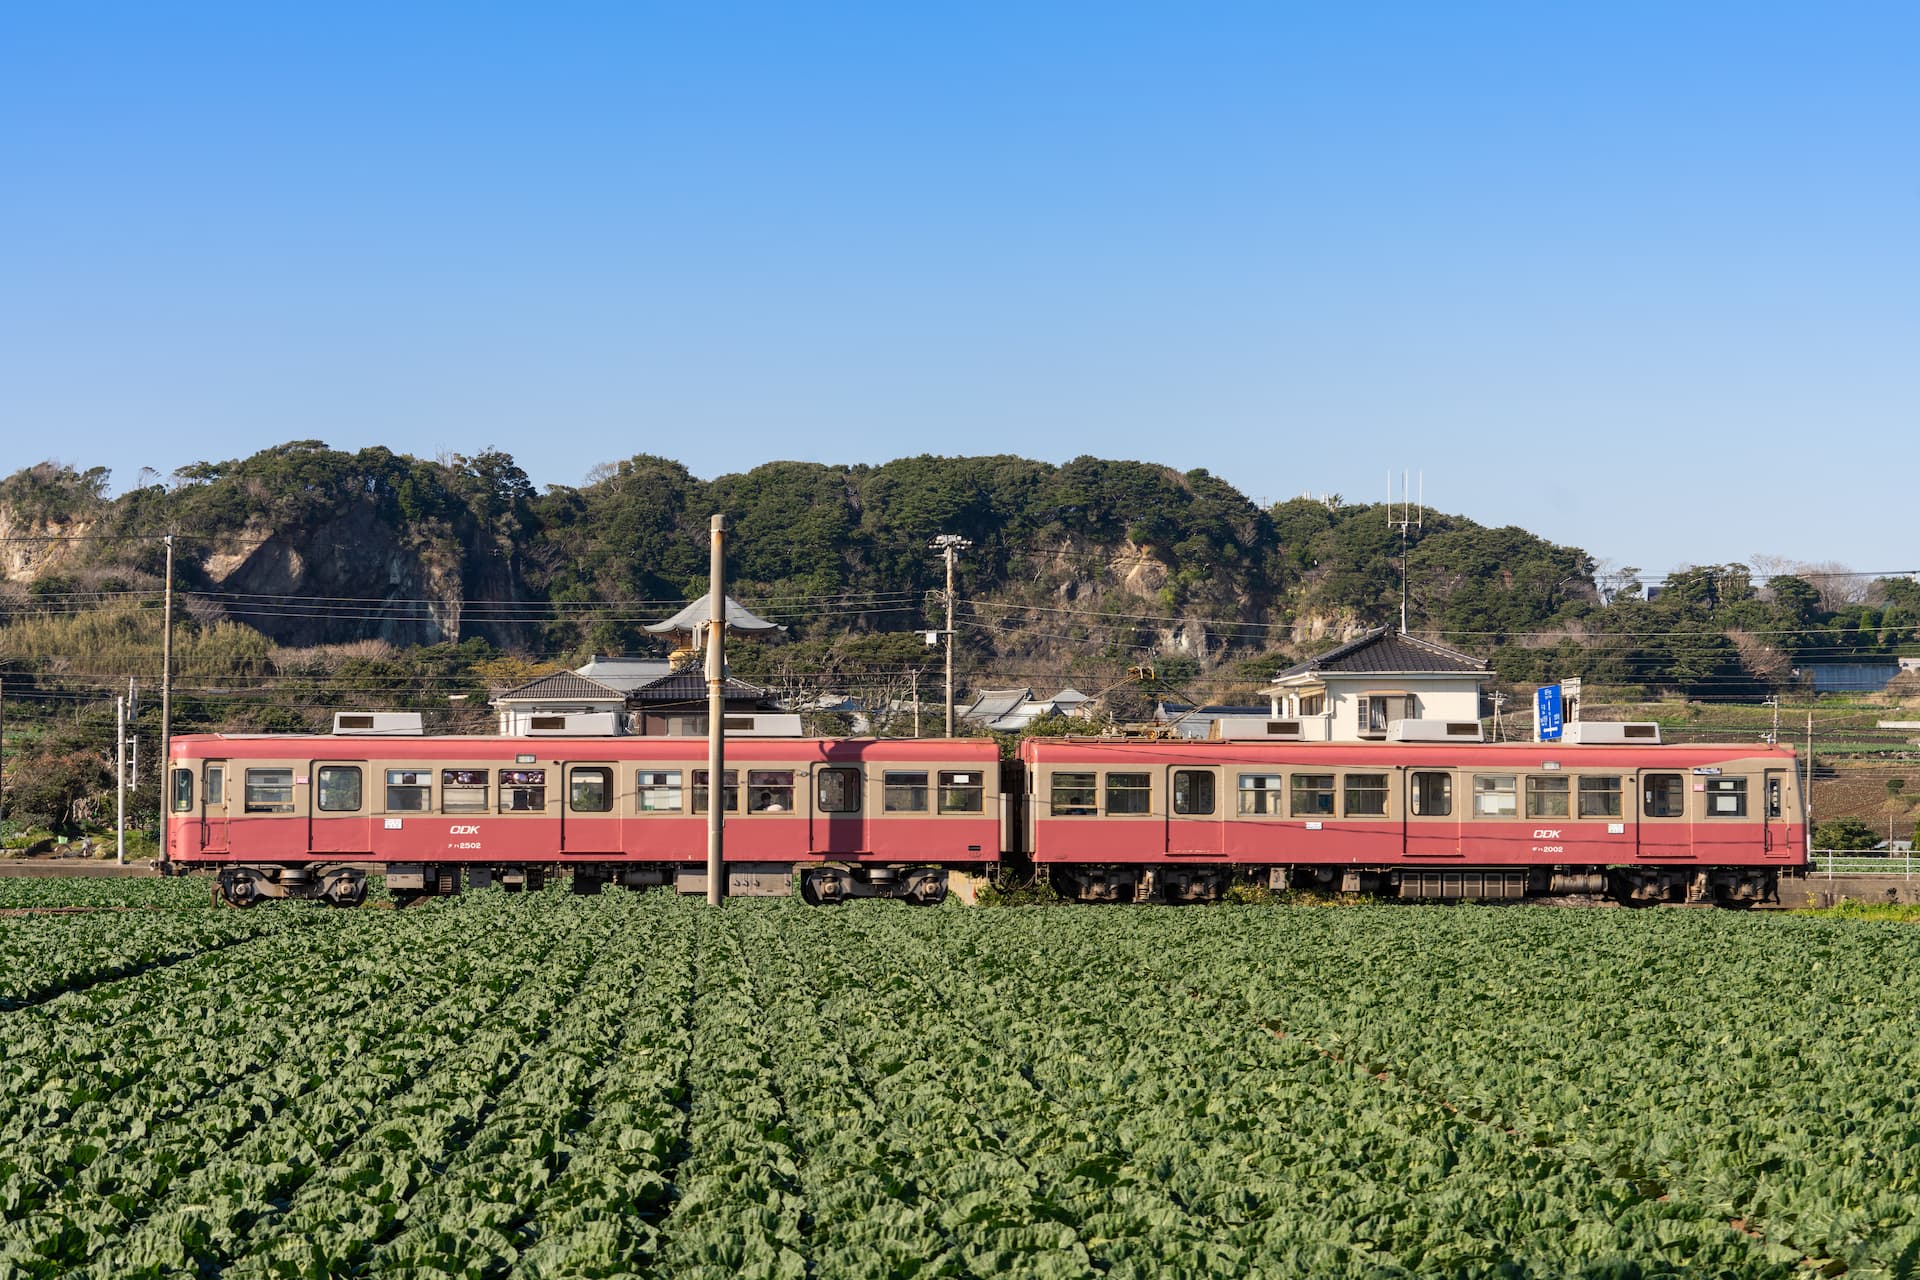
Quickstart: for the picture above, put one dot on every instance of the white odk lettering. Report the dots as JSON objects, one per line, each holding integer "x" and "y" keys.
{"x": 1544, "y": 834}
{"x": 463, "y": 831}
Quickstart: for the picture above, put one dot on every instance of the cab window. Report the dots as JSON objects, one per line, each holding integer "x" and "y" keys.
{"x": 183, "y": 790}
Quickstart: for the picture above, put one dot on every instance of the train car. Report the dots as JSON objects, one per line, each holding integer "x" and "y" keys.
{"x": 308, "y": 816}
{"x": 1177, "y": 821}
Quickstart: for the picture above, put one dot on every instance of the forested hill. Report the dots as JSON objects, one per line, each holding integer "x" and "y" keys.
{"x": 1074, "y": 573}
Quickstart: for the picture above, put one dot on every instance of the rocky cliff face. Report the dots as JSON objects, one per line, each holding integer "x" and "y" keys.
{"x": 354, "y": 576}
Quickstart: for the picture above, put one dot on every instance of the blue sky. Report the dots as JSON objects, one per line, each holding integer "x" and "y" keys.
{"x": 1643, "y": 278}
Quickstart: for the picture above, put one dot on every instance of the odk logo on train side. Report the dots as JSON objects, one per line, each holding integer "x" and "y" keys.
{"x": 463, "y": 831}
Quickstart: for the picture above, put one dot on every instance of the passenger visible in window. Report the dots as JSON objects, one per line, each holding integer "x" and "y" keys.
{"x": 766, "y": 802}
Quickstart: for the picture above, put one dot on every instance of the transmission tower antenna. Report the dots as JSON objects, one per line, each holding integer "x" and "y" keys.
{"x": 1410, "y": 517}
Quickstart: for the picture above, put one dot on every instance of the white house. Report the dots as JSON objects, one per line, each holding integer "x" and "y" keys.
{"x": 1356, "y": 692}
{"x": 566, "y": 702}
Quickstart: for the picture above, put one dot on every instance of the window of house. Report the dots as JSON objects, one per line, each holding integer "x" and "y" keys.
{"x": 183, "y": 790}
{"x": 1073, "y": 795}
{"x": 1666, "y": 795}
{"x": 1313, "y": 704}
{"x": 1726, "y": 797}
{"x": 1432, "y": 794}
{"x": 839, "y": 790}
{"x": 770, "y": 790}
{"x": 729, "y": 787}
{"x": 590, "y": 790}
{"x": 963, "y": 791}
{"x": 1129, "y": 793}
{"x": 1547, "y": 797}
{"x": 1377, "y": 710}
{"x": 1192, "y": 791}
{"x": 1495, "y": 795}
{"x": 336, "y": 789}
{"x": 1599, "y": 797}
{"x": 408, "y": 790}
{"x": 1260, "y": 792}
{"x": 523, "y": 790}
{"x": 903, "y": 791}
{"x": 1366, "y": 795}
{"x": 1312, "y": 795}
{"x": 269, "y": 791}
{"x": 658, "y": 790}
{"x": 463, "y": 791}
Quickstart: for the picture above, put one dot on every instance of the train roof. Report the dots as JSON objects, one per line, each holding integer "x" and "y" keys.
{"x": 1518, "y": 755}
{"x": 321, "y": 746}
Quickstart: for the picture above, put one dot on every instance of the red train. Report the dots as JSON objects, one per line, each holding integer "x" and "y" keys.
{"x": 1101, "y": 819}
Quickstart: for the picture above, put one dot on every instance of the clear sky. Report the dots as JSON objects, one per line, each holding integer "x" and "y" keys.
{"x": 1640, "y": 277}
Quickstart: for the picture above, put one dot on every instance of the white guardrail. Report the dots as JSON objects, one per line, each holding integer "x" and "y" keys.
{"x": 1830, "y": 863}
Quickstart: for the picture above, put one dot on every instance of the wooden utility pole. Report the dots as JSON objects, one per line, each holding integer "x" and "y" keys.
{"x": 716, "y": 709}
{"x": 947, "y": 544}
{"x": 166, "y": 709}
{"x": 3, "y": 748}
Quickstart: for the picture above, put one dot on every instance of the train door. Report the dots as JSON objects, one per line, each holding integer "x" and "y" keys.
{"x": 1435, "y": 807}
{"x": 338, "y": 821}
{"x": 589, "y": 815}
{"x": 839, "y": 822}
{"x": 1664, "y": 828}
{"x": 1775, "y": 793}
{"x": 1194, "y": 821}
{"x": 213, "y": 807}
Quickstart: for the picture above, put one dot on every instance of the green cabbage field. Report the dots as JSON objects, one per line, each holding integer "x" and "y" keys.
{"x": 545, "y": 1085}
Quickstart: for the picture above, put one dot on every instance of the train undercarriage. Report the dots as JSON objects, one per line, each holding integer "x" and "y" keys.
{"x": 1631, "y": 886}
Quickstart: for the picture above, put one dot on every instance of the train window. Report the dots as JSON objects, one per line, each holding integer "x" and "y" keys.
{"x": 1494, "y": 795}
{"x": 904, "y": 792}
{"x": 523, "y": 790}
{"x": 269, "y": 791}
{"x": 1666, "y": 795}
{"x": 1129, "y": 793}
{"x": 463, "y": 791}
{"x": 337, "y": 788}
{"x": 729, "y": 784}
{"x": 659, "y": 792}
{"x": 1432, "y": 794}
{"x": 1726, "y": 797}
{"x": 1260, "y": 793}
{"x": 216, "y": 786}
{"x": 1312, "y": 795}
{"x": 590, "y": 790}
{"x": 1073, "y": 795}
{"x": 770, "y": 790}
{"x": 839, "y": 790}
{"x": 183, "y": 790}
{"x": 1599, "y": 797}
{"x": 1773, "y": 797}
{"x": 407, "y": 790}
{"x": 1547, "y": 797}
{"x": 1192, "y": 791}
{"x": 1366, "y": 795}
{"x": 963, "y": 791}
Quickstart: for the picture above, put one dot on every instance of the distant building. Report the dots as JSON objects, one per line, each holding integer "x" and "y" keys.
{"x": 1012, "y": 710}
{"x": 1850, "y": 677}
{"x": 536, "y": 706}
{"x": 1355, "y": 692}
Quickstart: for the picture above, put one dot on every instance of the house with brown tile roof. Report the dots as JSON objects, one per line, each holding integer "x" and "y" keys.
{"x": 1355, "y": 692}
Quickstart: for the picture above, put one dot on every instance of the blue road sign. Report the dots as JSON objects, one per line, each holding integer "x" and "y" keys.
{"x": 1546, "y": 712}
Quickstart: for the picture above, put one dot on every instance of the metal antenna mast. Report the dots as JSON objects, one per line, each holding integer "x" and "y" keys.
{"x": 1408, "y": 518}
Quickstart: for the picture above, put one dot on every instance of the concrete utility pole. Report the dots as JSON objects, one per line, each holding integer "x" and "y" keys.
{"x": 3, "y": 748}
{"x": 166, "y": 709}
{"x": 120, "y": 781}
{"x": 716, "y": 710}
{"x": 947, "y": 544}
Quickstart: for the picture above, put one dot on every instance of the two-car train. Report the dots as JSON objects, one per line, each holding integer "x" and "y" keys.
{"x": 1103, "y": 819}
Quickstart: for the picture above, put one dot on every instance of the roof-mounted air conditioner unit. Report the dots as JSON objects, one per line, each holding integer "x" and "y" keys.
{"x": 1611, "y": 732}
{"x": 738, "y": 724}
{"x": 388, "y": 724}
{"x": 571, "y": 724}
{"x": 1255, "y": 729}
{"x": 1434, "y": 731}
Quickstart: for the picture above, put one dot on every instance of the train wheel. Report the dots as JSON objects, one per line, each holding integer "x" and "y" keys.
{"x": 345, "y": 890}
{"x": 239, "y": 890}
{"x": 822, "y": 887}
{"x": 927, "y": 888}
